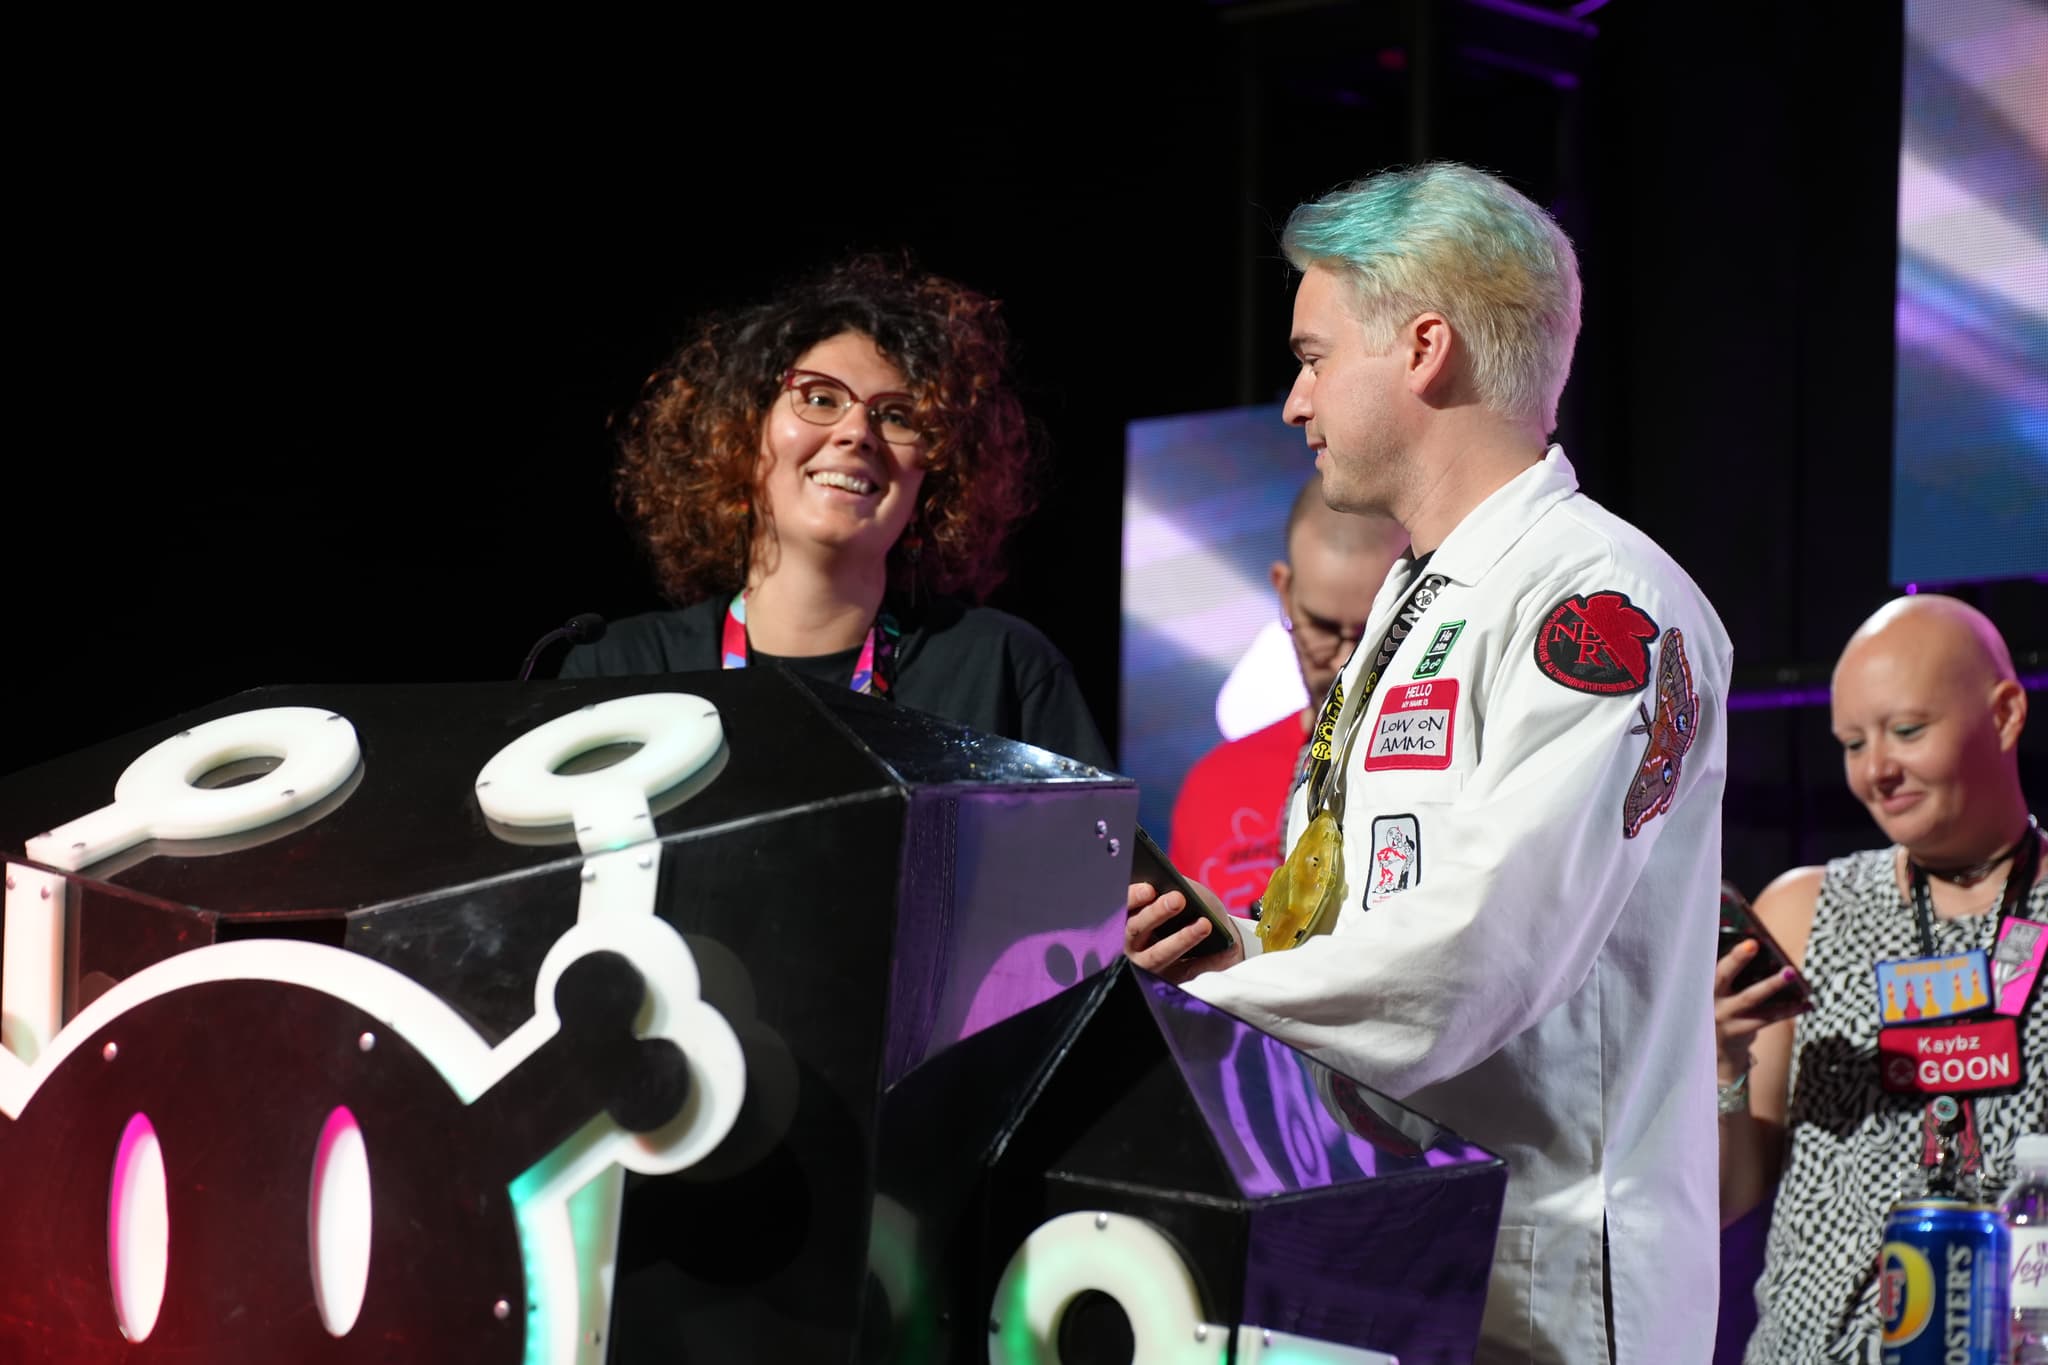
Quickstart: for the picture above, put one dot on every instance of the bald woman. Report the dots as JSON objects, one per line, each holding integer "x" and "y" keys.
{"x": 1929, "y": 713}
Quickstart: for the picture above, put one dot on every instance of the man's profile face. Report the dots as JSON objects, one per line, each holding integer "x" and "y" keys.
{"x": 1326, "y": 594}
{"x": 1343, "y": 396}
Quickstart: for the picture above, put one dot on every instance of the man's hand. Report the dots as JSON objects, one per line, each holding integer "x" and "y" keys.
{"x": 1168, "y": 957}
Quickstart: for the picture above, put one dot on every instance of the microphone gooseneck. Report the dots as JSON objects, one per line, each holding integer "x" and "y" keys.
{"x": 582, "y": 629}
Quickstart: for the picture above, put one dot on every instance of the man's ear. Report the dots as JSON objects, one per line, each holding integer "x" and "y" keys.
{"x": 1430, "y": 344}
{"x": 1282, "y": 574}
{"x": 2009, "y": 712}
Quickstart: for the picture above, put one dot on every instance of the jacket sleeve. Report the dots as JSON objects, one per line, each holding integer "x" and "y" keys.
{"x": 1526, "y": 870}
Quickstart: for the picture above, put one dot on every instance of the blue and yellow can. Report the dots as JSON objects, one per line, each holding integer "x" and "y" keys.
{"x": 1941, "y": 1287}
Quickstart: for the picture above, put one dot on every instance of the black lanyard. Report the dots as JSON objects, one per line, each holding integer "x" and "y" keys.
{"x": 2026, "y": 864}
{"x": 1323, "y": 745}
{"x": 1944, "y": 1115}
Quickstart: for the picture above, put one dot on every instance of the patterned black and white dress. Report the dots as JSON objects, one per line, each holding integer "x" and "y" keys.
{"x": 1852, "y": 1148}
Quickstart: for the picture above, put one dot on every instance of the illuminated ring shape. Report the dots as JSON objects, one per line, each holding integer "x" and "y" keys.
{"x": 318, "y": 748}
{"x": 1126, "y": 1258}
{"x": 678, "y": 733}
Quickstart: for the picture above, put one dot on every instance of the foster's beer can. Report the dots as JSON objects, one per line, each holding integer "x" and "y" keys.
{"x": 1941, "y": 1290}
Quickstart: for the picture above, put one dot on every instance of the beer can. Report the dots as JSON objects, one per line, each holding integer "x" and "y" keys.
{"x": 1941, "y": 1289}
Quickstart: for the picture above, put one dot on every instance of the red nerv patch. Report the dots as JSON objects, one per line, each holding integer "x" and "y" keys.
{"x": 1597, "y": 642}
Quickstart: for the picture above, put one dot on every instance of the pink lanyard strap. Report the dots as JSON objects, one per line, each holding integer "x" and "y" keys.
{"x": 865, "y": 676}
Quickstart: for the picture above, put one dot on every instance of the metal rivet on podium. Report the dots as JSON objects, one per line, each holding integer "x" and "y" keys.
{"x": 366, "y": 1042}
{"x": 110, "y": 1051}
{"x": 1115, "y": 847}
{"x": 1101, "y": 1221}
{"x": 501, "y": 1310}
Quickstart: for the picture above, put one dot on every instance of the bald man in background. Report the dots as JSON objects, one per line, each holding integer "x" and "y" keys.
{"x": 1228, "y": 817}
{"x": 1928, "y": 712}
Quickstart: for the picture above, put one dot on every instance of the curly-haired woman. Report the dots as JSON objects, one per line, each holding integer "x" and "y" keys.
{"x": 819, "y": 480}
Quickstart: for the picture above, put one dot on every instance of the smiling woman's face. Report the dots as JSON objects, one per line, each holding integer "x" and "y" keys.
{"x": 840, "y": 489}
{"x": 1920, "y": 743}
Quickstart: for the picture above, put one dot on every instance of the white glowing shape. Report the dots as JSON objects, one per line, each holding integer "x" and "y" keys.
{"x": 155, "y": 798}
{"x": 678, "y": 734}
{"x": 338, "y": 1222}
{"x": 138, "y": 1229}
{"x": 1126, "y": 1258}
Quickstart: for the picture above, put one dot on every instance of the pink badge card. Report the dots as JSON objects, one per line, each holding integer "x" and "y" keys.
{"x": 2016, "y": 962}
{"x": 1415, "y": 726}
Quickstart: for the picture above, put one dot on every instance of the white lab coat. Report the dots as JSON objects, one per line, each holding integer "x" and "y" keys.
{"x": 1543, "y": 983}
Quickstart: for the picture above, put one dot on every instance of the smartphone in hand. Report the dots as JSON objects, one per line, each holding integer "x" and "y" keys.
{"x": 1148, "y": 864}
{"x": 1739, "y": 922}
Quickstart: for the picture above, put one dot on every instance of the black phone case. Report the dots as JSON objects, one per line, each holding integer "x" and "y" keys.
{"x": 1149, "y": 865}
{"x": 1739, "y": 923}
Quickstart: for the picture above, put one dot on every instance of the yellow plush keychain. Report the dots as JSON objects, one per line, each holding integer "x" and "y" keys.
{"x": 1303, "y": 896}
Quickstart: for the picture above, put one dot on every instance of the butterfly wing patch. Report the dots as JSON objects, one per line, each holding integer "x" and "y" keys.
{"x": 1671, "y": 731}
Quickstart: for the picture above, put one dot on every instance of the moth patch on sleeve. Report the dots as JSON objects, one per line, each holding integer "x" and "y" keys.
{"x": 1671, "y": 731}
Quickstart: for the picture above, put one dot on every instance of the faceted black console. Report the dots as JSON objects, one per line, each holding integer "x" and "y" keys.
{"x": 951, "y": 1076}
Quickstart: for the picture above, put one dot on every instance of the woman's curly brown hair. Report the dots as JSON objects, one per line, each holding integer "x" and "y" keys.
{"x": 689, "y": 451}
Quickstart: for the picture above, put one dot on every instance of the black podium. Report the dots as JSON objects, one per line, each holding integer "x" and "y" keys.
{"x": 954, "y": 1087}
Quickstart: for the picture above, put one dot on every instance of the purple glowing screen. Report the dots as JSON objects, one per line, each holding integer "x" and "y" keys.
{"x": 1970, "y": 432}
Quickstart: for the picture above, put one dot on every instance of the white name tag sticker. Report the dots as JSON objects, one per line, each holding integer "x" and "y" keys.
{"x": 1415, "y": 727}
{"x": 1396, "y": 857}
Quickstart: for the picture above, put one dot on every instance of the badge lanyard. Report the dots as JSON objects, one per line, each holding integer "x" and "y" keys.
{"x": 872, "y": 674}
{"x": 1303, "y": 896}
{"x": 2019, "y": 881}
{"x": 1325, "y": 759}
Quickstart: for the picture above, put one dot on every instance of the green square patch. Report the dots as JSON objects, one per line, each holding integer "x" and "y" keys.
{"x": 1439, "y": 649}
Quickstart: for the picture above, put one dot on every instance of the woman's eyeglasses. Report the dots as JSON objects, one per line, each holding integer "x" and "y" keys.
{"x": 822, "y": 400}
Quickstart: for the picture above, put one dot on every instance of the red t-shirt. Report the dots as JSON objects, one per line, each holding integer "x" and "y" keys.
{"x": 1232, "y": 811}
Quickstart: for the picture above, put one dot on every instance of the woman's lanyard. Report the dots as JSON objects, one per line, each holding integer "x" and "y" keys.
{"x": 873, "y": 673}
{"x": 2015, "y": 968}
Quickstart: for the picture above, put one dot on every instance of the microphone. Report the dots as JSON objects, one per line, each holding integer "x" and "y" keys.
{"x": 581, "y": 629}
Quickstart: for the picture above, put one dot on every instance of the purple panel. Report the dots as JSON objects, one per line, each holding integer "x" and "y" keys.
{"x": 1009, "y": 896}
{"x": 1285, "y": 1123}
{"x": 1400, "y": 1269}
{"x": 1372, "y": 1225}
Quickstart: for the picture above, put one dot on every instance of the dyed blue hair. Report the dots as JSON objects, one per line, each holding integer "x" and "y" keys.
{"x": 1450, "y": 239}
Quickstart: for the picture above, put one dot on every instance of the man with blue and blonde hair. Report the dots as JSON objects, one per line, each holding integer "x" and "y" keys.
{"x": 1501, "y": 897}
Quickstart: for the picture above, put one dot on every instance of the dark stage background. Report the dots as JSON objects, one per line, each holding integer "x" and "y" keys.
{"x": 318, "y": 328}
{"x": 318, "y": 331}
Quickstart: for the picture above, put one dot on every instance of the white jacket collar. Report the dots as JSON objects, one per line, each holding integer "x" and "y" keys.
{"x": 1476, "y": 544}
